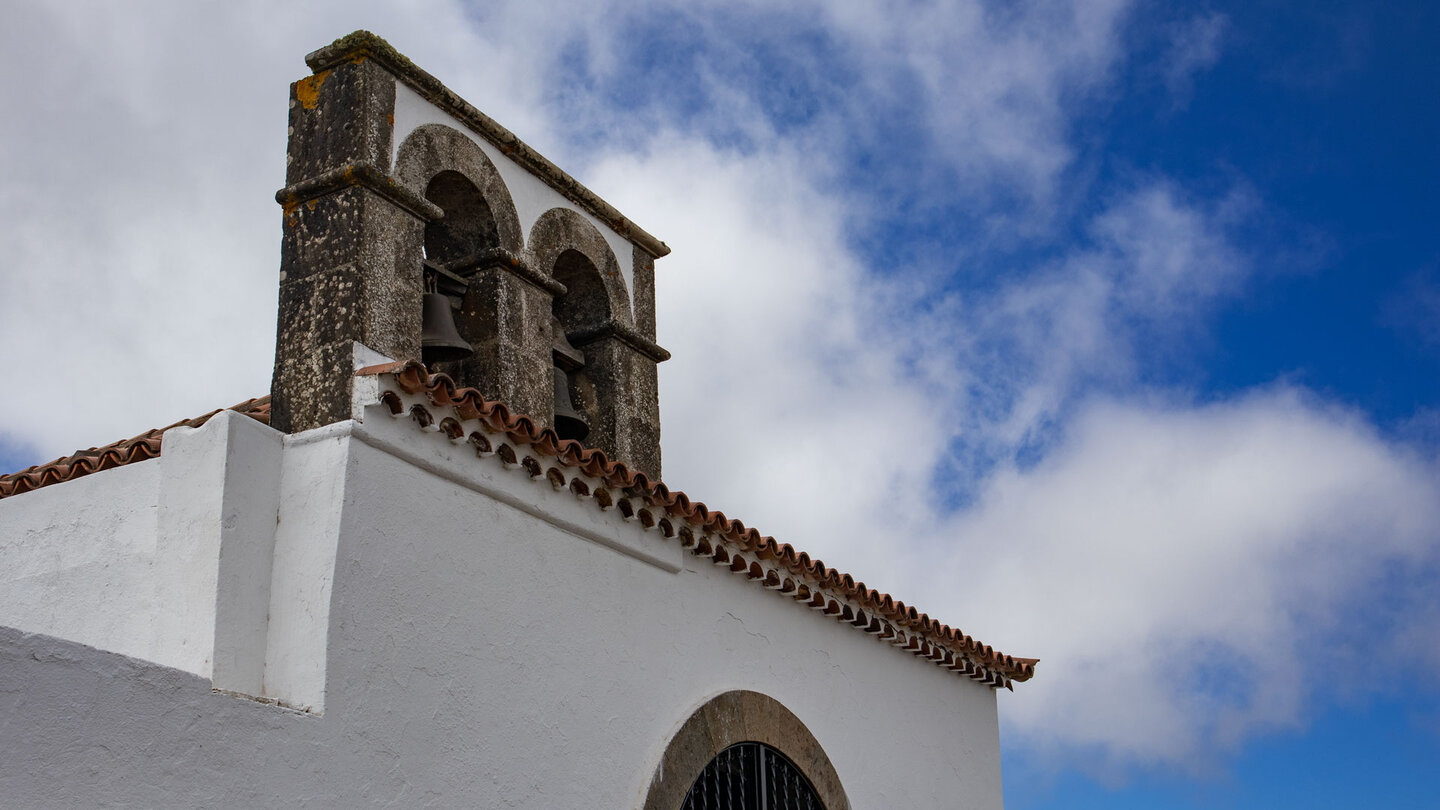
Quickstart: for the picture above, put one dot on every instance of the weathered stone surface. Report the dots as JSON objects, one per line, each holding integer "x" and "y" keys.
{"x": 363, "y": 46}
{"x": 357, "y": 236}
{"x": 567, "y": 247}
{"x": 644, "y": 292}
{"x": 434, "y": 149}
{"x": 617, "y": 389}
{"x": 507, "y": 320}
{"x": 620, "y": 385}
{"x": 340, "y": 115}
{"x": 350, "y": 271}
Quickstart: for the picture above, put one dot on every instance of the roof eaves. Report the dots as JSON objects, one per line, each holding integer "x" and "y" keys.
{"x": 702, "y": 531}
{"x": 116, "y": 454}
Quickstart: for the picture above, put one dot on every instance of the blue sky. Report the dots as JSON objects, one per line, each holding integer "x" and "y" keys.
{"x": 1108, "y": 332}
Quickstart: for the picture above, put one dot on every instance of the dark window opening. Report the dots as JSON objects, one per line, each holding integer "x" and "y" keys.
{"x": 585, "y": 303}
{"x": 751, "y": 776}
{"x": 467, "y": 228}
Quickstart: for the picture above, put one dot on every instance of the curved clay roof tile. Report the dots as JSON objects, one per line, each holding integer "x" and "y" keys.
{"x": 413, "y": 378}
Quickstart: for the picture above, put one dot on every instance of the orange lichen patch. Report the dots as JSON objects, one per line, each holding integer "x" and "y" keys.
{"x": 117, "y": 454}
{"x": 307, "y": 90}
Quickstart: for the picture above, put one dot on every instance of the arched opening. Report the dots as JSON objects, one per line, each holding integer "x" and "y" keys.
{"x": 743, "y": 750}
{"x": 584, "y": 305}
{"x": 751, "y": 776}
{"x": 468, "y": 226}
{"x": 618, "y": 389}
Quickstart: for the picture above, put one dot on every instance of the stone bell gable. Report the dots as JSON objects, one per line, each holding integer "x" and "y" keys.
{"x": 396, "y": 188}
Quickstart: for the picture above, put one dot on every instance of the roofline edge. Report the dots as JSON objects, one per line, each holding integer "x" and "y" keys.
{"x": 368, "y": 45}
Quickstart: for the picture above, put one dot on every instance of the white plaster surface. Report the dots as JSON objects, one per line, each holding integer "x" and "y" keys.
{"x": 465, "y": 652}
{"x": 531, "y": 195}
{"x": 313, "y": 479}
{"x": 126, "y": 560}
{"x": 455, "y": 461}
{"x": 76, "y": 559}
{"x": 249, "y": 515}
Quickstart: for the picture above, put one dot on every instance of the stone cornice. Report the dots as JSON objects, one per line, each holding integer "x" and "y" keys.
{"x": 365, "y": 45}
{"x": 625, "y": 334}
{"x": 504, "y": 259}
{"x": 365, "y": 176}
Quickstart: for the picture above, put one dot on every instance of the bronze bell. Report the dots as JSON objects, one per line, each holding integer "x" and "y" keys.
{"x": 569, "y": 423}
{"x": 440, "y": 341}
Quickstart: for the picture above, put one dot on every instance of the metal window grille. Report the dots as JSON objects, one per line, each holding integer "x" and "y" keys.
{"x": 751, "y": 776}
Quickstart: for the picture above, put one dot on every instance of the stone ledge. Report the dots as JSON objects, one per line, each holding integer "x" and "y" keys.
{"x": 363, "y": 44}
{"x": 365, "y": 176}
{"x": 621, "y": 332}
{"x": 505, "y": 260}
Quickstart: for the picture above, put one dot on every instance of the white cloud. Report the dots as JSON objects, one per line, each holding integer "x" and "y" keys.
{"x": 143, "y": 148}
{"x": 1182, "y": 568}
{"x": 1189, "y": 568}
{"x": 776, "y": 351}
{"x": 1194, "y": 47}
{"x": 1153, "y": 263}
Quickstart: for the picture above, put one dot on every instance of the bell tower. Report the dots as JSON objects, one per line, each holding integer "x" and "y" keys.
{"x": 420, "y": 229}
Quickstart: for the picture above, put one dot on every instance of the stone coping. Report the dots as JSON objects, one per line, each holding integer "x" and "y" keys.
{"x": 363, "y": 44}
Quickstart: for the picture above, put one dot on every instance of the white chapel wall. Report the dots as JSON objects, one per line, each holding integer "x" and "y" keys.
{"x": 78, "y": 559}
{"x": 466, "y": 649}
{"x": 127, "y": 560}
{"x": 563, "y": 656}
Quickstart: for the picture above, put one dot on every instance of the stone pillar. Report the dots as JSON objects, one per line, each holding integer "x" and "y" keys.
{"x": 643, "y": 295}
{"x": 506, "y": 317}
{"x": 350, "y": 263}
{"x": 621, "y": 365}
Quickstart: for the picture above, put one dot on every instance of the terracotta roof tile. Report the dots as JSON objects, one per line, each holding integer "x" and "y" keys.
{"x": 117, "y": 454}
{"x": 722, "y": 539}
{"x": 704, "y": 532}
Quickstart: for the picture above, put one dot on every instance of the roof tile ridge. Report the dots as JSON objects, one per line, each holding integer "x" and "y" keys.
{"x": 440, "y": 389}
{"x": 142, "y": 447}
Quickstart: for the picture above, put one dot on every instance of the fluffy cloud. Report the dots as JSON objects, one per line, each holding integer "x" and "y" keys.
{"x": 1192, "y": 570}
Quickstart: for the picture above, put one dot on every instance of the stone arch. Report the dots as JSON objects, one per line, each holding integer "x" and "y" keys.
{"x": 468, "y": 225}
{"x": 736, "y": 717}
{"x": 558, "y": 240}
{"x": 435, "y": 152}
{"x": 586, "y": 302}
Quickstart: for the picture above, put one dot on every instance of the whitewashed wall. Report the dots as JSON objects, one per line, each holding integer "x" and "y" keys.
{"x": 464, "y": 653}
{"x": 127, "y": 560}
